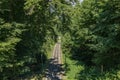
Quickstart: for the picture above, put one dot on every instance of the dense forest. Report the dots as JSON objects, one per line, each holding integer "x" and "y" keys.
{"x": 89, "y": 30}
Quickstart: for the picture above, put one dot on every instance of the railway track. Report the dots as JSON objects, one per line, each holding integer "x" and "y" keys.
{"x": 54, "y": 70}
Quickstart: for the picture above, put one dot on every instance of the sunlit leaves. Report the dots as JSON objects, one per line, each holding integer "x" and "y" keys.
{"x": 31, "y": 6}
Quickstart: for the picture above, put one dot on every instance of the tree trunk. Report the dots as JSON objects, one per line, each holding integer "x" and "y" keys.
{"x": 102, "y": 68}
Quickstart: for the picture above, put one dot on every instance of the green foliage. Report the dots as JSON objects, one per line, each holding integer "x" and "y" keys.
{"x": 93, "y": 74}
{"x": 93, "y": 35}
{"x": 90, "y": 32}
{"x": 27, "y": 33}
{"x": 10, "y": 37}
{"x": 73, "y": 67}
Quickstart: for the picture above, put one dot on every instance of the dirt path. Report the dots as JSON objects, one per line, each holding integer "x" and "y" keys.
{"x": 54, "y": 70}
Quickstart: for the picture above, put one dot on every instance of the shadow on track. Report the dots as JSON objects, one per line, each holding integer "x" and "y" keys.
{"x": 54, "y": 70}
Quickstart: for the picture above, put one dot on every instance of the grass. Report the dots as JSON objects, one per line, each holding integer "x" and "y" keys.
{"x": 73, "y": 68}
{"x": 50, "y": 51}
